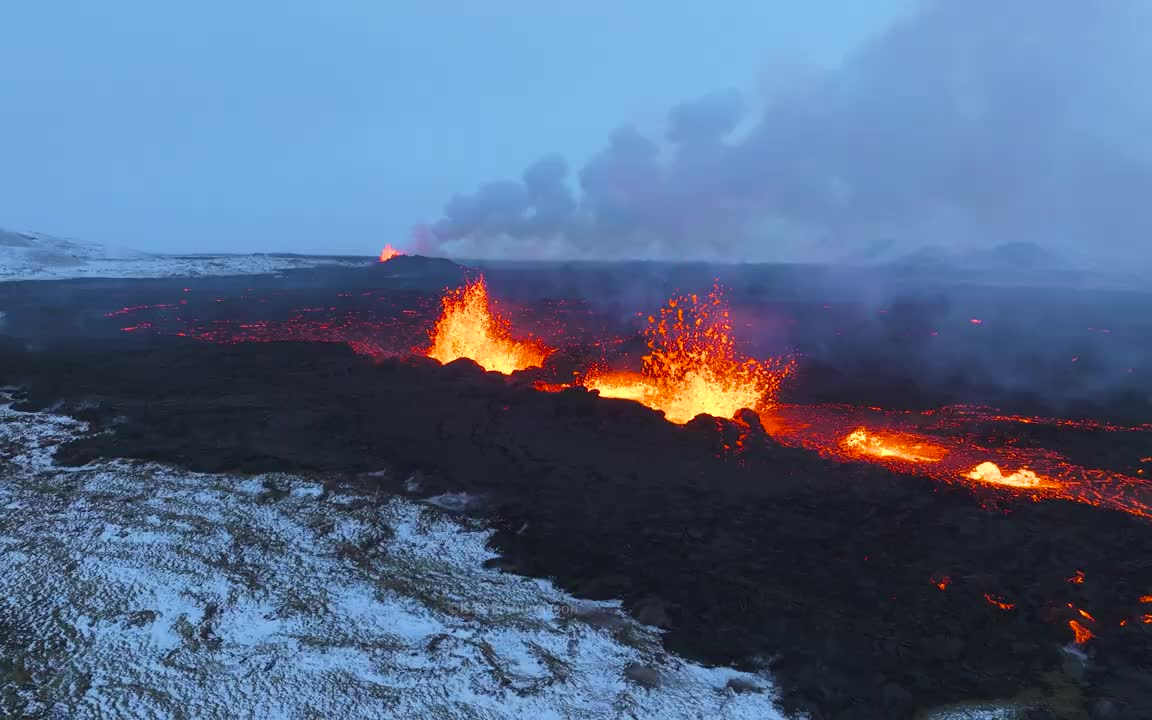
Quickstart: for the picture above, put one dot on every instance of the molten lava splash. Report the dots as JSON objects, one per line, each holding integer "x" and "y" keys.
{"x": 988, "y": 472}
{"x": 388, "y": 253}
{"x": 693, "y": 367}
{"x": 860, "y": 441}
{"x": 1080, "y": 633}
{"x": 467, "y": 328}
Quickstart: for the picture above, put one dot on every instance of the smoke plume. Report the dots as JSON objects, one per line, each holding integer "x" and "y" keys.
{"x": 971, "y": 124}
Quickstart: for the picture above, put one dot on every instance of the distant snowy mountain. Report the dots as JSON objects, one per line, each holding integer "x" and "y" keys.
{"x": 33, "y": 256}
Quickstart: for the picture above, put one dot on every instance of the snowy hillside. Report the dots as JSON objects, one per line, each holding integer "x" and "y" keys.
{"x": 31, "y": 256}
{"x": 131, "y": 590}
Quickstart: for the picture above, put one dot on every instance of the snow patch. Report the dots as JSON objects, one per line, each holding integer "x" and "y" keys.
{"x": 142, "y": 590}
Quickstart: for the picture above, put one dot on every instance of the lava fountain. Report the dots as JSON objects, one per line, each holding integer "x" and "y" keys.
{"x": 467, "y": 328}
{"x": 693, "y": 367}
{"x": 388, "y": 253}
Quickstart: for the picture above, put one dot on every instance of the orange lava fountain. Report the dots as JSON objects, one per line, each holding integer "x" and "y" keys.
{"x": 692, "y": 366}
{"x": 468, "y": 328}
{"x": 388, "y": 253}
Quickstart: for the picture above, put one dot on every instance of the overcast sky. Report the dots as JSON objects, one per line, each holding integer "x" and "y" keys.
{"x": 299, "y": 126}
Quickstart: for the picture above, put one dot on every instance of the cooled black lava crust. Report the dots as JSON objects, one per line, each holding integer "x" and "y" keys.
{"x": 770, "y": 555}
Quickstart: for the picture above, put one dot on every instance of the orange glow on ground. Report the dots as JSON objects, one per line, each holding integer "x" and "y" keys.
{"x": 989, "y": 472}
{"x": 468, "y": 328}
{"x": 893, "y": 447}
{"x": 1080, "y": 633}
{"x": 950, "y": 445}
{"x": 692, "y": 366}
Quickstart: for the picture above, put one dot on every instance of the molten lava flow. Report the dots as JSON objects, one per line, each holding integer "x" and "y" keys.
{"x": 388, "y": 253}
{"x": 467, "y": 328}
{"x": 1080, "y": 633}
{"x": 1078, "y": 578}
{"x": 860, "y": 441}
{"x": 993, "y": 600}
{"x": 957, "y": 439}
{"x": 693, "y": 367}
{"x": 943, "y": 582}
{"x": 988, "y": 472}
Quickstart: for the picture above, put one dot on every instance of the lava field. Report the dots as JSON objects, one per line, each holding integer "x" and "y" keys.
{"x": 893, "y": 491}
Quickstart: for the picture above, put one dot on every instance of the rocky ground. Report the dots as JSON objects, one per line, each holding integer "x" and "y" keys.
{"x": 131, "y": 589}
{"x": 824, "y": 576}
{"x": 770, "y": 559}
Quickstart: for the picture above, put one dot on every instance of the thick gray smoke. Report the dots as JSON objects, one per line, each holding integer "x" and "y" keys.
{"x": 972, "y": 124}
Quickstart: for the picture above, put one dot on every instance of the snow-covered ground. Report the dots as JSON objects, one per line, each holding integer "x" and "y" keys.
{"x": 136, "y": 590}
{"x": 29, "y": 256}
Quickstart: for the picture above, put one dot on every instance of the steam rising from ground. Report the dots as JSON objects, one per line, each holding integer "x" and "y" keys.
{"x": 973, "y": 123}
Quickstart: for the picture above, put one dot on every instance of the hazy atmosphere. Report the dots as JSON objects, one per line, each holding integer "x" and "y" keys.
{"x": 316, "y": 127}
{"x": 732, "y": 130}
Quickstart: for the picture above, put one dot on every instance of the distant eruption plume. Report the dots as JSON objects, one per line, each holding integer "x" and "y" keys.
{"x": 388, "y": 253}
{"x": 947, "y": 129}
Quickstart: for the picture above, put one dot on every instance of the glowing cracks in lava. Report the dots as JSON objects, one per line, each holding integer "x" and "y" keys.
{"x": 1078, "y": 578}
{"x": 388, "y": 253}
{"x": 988, "y": 472}
{"x": 999, "y": 602}
{"x": 1146, "y": 598}
{"x": 1080, "y": 633}
{"x": 692, "y": 366}
{"x": 468, "y": 328}
{"x": 942, "y": 583}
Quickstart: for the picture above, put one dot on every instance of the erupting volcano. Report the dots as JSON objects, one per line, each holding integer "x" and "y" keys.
{"x": 467, "y": 328}
{"x": 693, "y": 366}
{"x": 388, "y": 253}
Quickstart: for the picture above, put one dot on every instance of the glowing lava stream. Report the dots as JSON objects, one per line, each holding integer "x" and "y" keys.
{"x": 945, "y": 445}
{"x": 692, "y": 366}
{"x": 890, "y": 446}
{"x": 467, "y": 328}
{"x": 388, "y": 253}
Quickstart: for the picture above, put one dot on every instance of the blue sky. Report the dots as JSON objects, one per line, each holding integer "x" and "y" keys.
{"x": 335, "y": 126}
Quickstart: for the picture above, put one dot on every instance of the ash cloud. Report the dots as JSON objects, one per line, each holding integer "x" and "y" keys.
{"x": 973, "y": 123}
